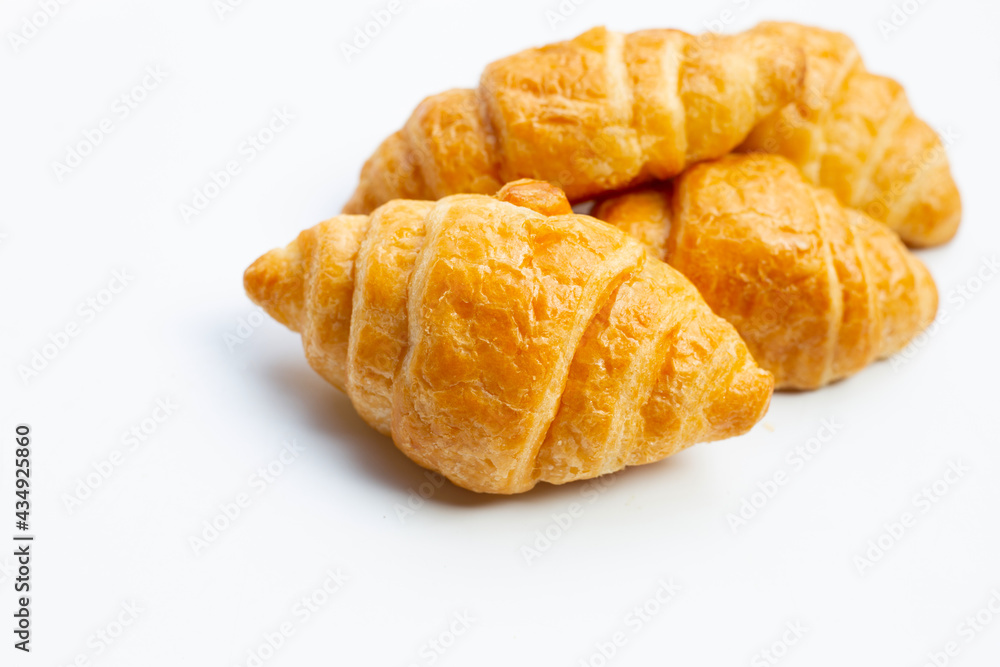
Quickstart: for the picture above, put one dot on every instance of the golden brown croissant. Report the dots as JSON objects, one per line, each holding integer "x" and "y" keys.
{"x": 816, "y": 290}
{"x": 596, "y": 113}
{"x": 500, "y": 346}
{"x": 855, "y": 133}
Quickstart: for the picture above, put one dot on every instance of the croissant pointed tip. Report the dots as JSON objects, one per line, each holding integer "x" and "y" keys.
{"x": 928, "y": 299}
{"x": 763, "y": 383}
{"x": 275, "y": 283}
{"x": 748, "y": 399}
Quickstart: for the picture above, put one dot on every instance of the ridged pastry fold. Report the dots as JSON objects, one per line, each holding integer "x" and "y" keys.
{"x": 502, "y": 346}
{"x": 817, "y": 290}
{"x": 855, "y": 132}
{"x": 599, "y": 112}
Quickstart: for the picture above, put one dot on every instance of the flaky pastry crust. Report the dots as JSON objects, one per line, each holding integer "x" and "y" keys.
{"x": 856, "y": 133}
{"x": 502, "y": 347}
{"x": 818, "y": 291}
{"x": 596, "y": 113}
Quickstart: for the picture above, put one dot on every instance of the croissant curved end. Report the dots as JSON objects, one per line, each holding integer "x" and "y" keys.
{"x": 540, "y": 196}
{"x": 276, "y": 283}
{"x": 933, "y": 217}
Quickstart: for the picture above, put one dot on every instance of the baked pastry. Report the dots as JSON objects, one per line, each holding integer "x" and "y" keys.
{"x": 500, "y": 346}
{"x": 855, "y": 133}
{"x": 817, "y": 290}
{"x": 596, "y": 113}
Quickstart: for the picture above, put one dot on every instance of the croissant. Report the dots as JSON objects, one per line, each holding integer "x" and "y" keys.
{"x": 596, "y": 113}
{"x": 817, "y": 291}
{"x": 501, "y": 346}
{"x": 855, "y": 133}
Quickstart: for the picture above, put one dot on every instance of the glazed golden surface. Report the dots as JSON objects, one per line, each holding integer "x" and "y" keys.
{"x": 501, "y": 347}
{"x": 855, "y": 133}
{"x": 817, "y": 290}
{"x": 596, "y": 113}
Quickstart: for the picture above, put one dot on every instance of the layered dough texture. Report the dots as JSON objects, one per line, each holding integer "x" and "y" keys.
{"x": 504, "y": 344}
{"x": 818, "y": 291}
{"x": 856, "y": 133}
{"x": 596, "y": 113}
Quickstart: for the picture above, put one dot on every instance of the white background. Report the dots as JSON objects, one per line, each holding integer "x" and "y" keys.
{"x": 336, "y": 506}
